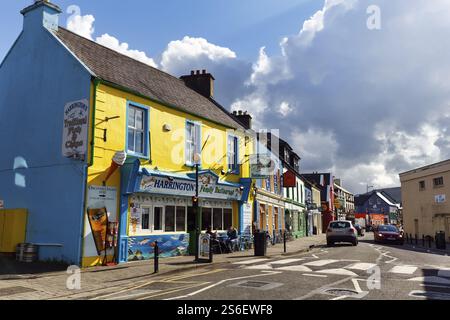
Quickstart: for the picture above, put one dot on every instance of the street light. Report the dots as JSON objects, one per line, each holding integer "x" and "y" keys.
{"x": 195, "y": 205}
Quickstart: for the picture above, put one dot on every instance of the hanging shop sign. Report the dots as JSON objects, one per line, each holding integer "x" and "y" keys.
{"x": 208, "y": 187}
{"x": 75, "y": 129}
{"x": 289, "y": 179}
{"x": 2, "y": 204}
{"x": 261, "y": 166}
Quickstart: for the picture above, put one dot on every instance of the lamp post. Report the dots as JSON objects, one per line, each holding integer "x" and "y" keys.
{"x": 195, "y": 205}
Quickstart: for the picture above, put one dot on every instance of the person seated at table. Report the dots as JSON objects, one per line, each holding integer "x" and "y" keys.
{"x": 232, "y": 238}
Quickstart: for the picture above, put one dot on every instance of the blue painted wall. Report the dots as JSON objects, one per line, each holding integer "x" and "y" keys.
{"x": 37, "y": 78}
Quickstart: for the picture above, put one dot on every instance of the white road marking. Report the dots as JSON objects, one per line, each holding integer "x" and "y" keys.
{"x": 314, "y": 256}
{"x": 403, "y": 269}
{"x": 260, "y": 267}
{"x": 219, "y": 283}
{"x": 133, "y": 295}
{"x": 250, "y": 261}
{"x": 315, "y": 275}
{"x": 356, "y": 284}
{"x": 444, "y": 272}
{"x": 286, "y": 261}
{"x": 295, "y": 268}
{"x": 361, "y": 266}
{"x": 339, "y": 298}
{"x": 340, "y": 271}
{"x": 320, "y": 263}
{"x": 431, "y": 279}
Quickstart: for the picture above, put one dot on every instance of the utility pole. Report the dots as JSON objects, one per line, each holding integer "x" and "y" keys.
{"x": 367, "y": 188}
{"x": 195, "y": 206}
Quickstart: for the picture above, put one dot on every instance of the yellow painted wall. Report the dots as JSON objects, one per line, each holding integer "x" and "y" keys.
{"x": 166, "y": 147}
{"x": 12, "y": 229}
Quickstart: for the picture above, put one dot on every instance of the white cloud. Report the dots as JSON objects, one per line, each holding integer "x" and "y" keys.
{"x": 364, "y": 104}
{"x": 84, "y": 26}
{"x": 188, "y": 49}
{"x": 285, "y": 109}
{"x": 123, "y": 48}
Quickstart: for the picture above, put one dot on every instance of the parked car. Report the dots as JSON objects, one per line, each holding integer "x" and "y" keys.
{"x": 388, "y": 233}
{"x": 359, "y": 229}
{"x": 341, "y": 231}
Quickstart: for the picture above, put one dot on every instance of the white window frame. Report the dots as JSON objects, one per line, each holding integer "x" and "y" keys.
{"x": 135, "y": 129}
{"x": 193, "y": 143}
{"x": 233, "y": 153}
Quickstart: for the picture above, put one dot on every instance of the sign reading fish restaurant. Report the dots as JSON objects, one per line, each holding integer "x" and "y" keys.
{"x": 75, "y": 129}
{"x": 208, "y": 188}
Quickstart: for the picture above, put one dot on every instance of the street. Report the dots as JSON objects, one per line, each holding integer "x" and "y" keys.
{"x": 368, "y": 271}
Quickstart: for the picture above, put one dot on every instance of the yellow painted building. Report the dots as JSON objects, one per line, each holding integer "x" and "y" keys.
{"x": 151, "y": 125}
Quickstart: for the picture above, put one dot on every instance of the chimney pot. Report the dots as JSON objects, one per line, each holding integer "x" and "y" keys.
{"x": 202, "y": 83}
{"x": 204, "y": 71}
{"x": 192, "y": 72}
{"x": 198, "y": 71}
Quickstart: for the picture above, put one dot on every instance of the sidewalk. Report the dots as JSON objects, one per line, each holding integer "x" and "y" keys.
{"x": 32, "y": 284}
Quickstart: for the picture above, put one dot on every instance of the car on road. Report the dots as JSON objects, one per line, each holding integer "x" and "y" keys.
{"x": 341, "y": 231}
{"x": 388, "y": 233}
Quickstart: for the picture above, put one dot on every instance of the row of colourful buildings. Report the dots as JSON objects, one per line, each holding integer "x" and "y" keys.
{"x": 103, "y": 155}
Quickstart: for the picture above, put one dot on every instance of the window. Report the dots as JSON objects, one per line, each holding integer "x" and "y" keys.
{"x": 181, "y": 219}
{"x": 232, "y": 153}
{"x": 437, "y": 182}
{"x": 286, "y": 155}
{"x": 217, "y": 219}
{"x": 169, "y": 218}
{"x": 227, "y": 218}
{"x": 145, "y": 222}
{"x": 137, "y": 139}
{"x": 193, "y": 141}
{"x": 206, "y": 218}
{"x": 421, "y": 185}
{"x": 157, "y": 218}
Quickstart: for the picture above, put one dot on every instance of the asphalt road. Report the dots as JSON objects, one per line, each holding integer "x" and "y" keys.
{"x": 341, "y": 272}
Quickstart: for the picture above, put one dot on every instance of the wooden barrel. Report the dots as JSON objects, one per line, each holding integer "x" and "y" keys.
{"x": 20, "y": 248}
{"x": 30, "y": 253}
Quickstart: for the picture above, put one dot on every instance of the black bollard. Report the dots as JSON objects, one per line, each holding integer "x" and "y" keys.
{"x": 415, "y": 238}
{"x": 429, "y": 241}
{"x": 423, "y": 240}
{"x": 284, "y": 240}
{"x": 156, "y": 257}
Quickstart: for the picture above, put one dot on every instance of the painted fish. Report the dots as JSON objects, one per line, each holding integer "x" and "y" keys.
{"x": 144, "y": 242}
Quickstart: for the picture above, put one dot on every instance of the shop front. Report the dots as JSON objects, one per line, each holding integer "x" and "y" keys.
{"x": 157, "y": 206}
{"x": 270, "y": 213}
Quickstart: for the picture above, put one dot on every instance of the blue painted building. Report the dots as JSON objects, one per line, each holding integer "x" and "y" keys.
{"x": 33, "y": 172}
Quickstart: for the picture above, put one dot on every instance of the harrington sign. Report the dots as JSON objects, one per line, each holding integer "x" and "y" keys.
{"x": 208, "y": 187}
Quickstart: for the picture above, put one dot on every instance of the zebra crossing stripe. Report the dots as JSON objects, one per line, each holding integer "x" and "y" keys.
{"x": 260, "y": 267}
{"x": 340, "y": 271}
{"x": 250, "y": 261}
{"x": 286, "y": 261}
{"x": 320, "y": 263}
{"x": 403, "y": 269}
{"x": 295, "y": 268}
{"x": 445, "y": 272}
{"x": 361, "y": 266}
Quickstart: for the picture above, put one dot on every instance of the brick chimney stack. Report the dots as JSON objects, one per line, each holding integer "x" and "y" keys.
{"x": 201, "y": 82}
{"x": 244, "y": 118}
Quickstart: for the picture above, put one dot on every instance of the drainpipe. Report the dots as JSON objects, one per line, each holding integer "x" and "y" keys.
{"x": 94, "y": 109}
{"x": 86, "y": 169}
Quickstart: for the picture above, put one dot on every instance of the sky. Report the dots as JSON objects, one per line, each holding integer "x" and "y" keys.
{"x": 359, "y": 88}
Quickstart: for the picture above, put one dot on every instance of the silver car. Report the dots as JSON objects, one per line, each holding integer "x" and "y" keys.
{"x": 341, "y": 231}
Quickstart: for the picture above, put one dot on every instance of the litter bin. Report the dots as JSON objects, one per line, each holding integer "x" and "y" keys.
{"x": 440, "y": 240}
{"x": 260, "y": 243}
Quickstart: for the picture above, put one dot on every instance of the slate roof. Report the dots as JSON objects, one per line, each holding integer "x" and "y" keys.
{"x": 143, "y": 79}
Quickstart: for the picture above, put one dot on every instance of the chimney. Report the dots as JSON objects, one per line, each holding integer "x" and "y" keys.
{"x": 202, "y": 83}
{"x": 42, "y": 13}
{"x": 243, "y": 118}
